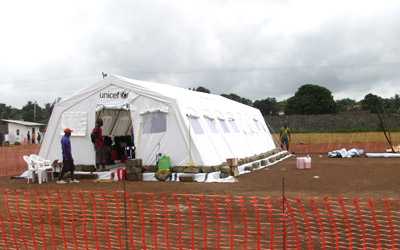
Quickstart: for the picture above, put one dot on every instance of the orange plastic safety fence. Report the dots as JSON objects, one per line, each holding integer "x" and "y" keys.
{"x": 118, "y": 220}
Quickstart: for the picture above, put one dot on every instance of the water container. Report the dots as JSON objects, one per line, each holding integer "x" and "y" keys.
{"x": 307, "y": 161}
{"x": 300, "y": 162}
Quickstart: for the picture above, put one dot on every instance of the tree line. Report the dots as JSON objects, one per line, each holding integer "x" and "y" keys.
{"x": 308, "y": 99}
{"x": 31, "y": 111}
{"x": 314, "y": 99}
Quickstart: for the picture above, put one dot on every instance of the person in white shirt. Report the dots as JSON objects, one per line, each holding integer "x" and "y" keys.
{"x": 17, "y": 136}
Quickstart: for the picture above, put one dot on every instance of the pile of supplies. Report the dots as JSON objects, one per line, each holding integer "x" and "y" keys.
{"x": 343, "y": 153}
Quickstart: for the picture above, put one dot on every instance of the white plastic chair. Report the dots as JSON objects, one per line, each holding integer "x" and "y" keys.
{"x": 42, "y": 167}
{"x": 31, "y": 168}
{"x": 40, "y": 160}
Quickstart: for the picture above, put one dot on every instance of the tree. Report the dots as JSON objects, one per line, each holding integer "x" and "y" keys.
{"x": 345, "y": 104}
{"x": 33, "y": 112}
{"x": 372, "y": 103}
{"x": 311, "y": 99}
{"x": 396, "y": 103}
{"x": 375, "y": 104}
{"x": 281, "y": 106}
{"x": 202, "y": 89}
{"x": 268, "y": 106}
{"x": 28, "y": 111}
{"x": 238, "y": 99}
{"x": 392, "y": 105}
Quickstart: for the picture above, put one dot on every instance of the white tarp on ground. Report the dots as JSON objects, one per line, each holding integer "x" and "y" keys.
{"x": 191, "y": 127}
{"x": 384, "y": 155}
{"x": 343, "y": 153}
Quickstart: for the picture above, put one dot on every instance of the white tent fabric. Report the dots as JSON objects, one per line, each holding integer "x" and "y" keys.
{"x": 191, "y": 127}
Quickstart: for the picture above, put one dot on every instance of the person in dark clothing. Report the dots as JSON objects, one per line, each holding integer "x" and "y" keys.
{"x": 39, "y": 137}
{"x": 28, "y": 136}
{"x": 285, "y": 137}
{"x": 33, "y": 137}
{"x": 98, "y": 141}
{"x": 2, "y": 138}
{"x": 107, "y": 150}
{"x": 68, "y": 161}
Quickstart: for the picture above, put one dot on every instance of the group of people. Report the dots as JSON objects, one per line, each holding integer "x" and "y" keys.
{"x": 68, "y": 161}
{"x": 17, "y": 138}
{"x": 34, "y": 139}
{"x": 102, "y": 149}
{"x": 102, "y": 146}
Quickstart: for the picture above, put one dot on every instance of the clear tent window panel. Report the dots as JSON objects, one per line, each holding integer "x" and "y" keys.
{"x": 196, "y": 126}
{"x": 212, "y": 124}
{"x": 224, "y": 126}
{"x": 257, "y": 125}
{"x": 146, "y": 123}
{"x": 155, "y": 122}
{"x": 234, "y": 126}
{"x": 251, "y": 128}
{"x": 158, "y": 122}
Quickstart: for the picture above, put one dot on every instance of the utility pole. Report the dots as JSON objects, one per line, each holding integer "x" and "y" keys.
{"x": 34, "y": 110}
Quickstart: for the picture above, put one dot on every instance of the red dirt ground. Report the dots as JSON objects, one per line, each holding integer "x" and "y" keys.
{"x": 363, "y": 177}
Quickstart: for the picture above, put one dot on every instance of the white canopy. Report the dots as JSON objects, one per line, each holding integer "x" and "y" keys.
{"x": 191, "y": 127}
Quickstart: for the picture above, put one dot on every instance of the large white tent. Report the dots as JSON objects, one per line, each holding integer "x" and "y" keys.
{"x": 191, "y": 127}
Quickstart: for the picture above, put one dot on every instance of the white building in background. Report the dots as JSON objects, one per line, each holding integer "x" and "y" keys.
{"x": 17, "y": 131}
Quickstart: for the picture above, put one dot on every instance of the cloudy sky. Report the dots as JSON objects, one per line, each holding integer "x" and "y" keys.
{"x": 257, "y": 49}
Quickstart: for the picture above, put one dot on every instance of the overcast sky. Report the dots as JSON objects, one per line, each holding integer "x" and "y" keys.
{"x": 256, "y": 49}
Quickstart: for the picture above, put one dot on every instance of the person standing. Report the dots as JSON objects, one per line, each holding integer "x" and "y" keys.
{"x": 17, "y": 137}
{"x": 39, "y": 137}
{"x": 2, "y": 139}
{"x": 68, "y": 161}
{"x": 28, "y": 136}
{"x": 98, "y": 141}
{"x": 33, "y": 137}
{"x": 285, "y": 137}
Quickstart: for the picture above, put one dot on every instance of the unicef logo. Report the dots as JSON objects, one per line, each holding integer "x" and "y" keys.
{"x": 114, "y": 95}
{"x": 124, "y": 94}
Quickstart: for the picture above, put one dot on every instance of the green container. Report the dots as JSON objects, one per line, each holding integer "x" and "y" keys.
{"x": 164, "y": 163}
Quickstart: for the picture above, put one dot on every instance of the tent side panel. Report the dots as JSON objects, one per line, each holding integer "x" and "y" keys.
{"x": 81, "y": 145}
{"x": 148, "y": 145}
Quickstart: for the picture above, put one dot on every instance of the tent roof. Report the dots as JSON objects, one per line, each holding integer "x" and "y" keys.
{"x": 198, "y": 102}
{"x": 178, "y": 93}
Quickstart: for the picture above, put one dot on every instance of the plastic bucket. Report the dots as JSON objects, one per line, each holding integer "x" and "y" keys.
{"x": 300, "y": 162}
{"x": 307, "y": 161}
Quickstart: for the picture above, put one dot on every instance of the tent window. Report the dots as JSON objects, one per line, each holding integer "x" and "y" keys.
{"x": 196, "y": 126}
{"x": 154, "y": 123}
{"x": 158, "y": 122}
{"x": 224, "y": 126}
{"x": 251, "y": 128}
{"x": 212, "y": 124}
{"x": 147, "y": 123}
{"x": 257, "y": 125}
{"x": 234, "y": 126}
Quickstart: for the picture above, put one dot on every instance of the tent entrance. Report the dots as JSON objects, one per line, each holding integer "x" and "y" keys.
{"x": 118, "y": 134}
